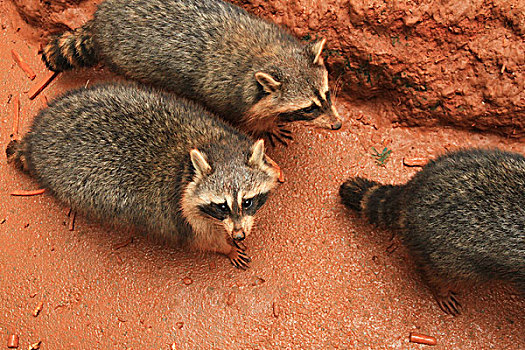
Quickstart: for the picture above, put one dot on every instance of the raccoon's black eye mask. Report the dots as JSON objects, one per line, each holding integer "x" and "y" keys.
{"x": 308, "y": 113}
{"x": 219, "y": 211}
{"x": 251, "y": 205}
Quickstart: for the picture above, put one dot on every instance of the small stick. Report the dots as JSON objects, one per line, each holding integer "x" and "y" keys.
{"x": 12, "y": 341}
{"x": 28, "y": 193}
{"x": 277, "y": 167}
{"x": 16, "y": 115}
{"x": 72, "y": 221}
{"x": 422, "y": 339}
{"x": 276, "y": 309}
{"x": 37, "y": 88}
{"x": 38, "y": 308}
{"x": 419, "y": 162}
{"x": 23, "y": 65}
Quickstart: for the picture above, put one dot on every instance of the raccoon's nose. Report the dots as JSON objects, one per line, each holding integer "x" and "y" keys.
{"x": 238, "y": 235}
{"x": 337, "y": 125}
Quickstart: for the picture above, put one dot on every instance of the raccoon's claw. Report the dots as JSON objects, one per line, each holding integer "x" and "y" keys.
{"x": 239, "y": 245}
{"x": 239, "y": 259}
{"x": 273, "y": 135}
{"x": 282, "y": 130}
{"x": 282, "y": 136}
{"x": 270, "y": 138}
{"x": 449, "y": 303}
{"x": 287, "y": 134}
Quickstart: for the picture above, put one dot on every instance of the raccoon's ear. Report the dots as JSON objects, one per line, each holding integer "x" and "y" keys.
{"x": 315, "y": 49}
{"x": 269, "y": 84}
{"x": 257, "y": 157}
{"x": 202, "y": 168}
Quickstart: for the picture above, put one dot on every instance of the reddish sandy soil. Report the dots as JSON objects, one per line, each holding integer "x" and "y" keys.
{"x": 321, "y": 278}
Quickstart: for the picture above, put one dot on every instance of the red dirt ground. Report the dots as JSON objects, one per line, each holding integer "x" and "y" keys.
{"x": 321, "y": 278}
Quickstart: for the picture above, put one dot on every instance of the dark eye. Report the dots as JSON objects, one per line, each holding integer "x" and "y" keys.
{"x": 310, "y": 109}
{"x": 247, "y": 203}
{"x": 222, "y": 207}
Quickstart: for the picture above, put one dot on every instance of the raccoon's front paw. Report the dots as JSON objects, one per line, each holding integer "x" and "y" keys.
{"x": 238, "y": 258}
{"x": 280, "y": 134}
{"x": 449, "y": 303}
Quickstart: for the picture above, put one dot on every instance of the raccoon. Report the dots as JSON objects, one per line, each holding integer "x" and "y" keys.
{"x": 462, "y": 217}
{"x": 141, "y": 158}
{"x": 249, "y": 71}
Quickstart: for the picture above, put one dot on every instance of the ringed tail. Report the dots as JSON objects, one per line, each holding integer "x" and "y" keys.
{"x": 71, "y": 50}
{"x": 379, "y": 203}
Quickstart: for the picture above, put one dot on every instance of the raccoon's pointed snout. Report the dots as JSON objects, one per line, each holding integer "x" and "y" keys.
{"x": 238, "y": 235}
{"x": 336, "y": 125}
{"x": 330, "y": 121}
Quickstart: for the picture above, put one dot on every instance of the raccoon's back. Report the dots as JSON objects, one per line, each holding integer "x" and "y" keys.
{"x": 465, "y": 212}
{"x": 120, "y": 151}
{"x": 199, "y": 49}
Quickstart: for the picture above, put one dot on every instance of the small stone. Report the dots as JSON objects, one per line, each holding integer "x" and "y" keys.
{"x": 12, "y": 341}
{"x": 258, "y": 281}
{"x": 415, "y": 162}
{"x": 38, "y": 308}
{"x": 35, "y": 346}
{"x": 187, "y": 281}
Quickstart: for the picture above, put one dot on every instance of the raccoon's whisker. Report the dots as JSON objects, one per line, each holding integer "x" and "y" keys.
{"x": 337, "y": 87}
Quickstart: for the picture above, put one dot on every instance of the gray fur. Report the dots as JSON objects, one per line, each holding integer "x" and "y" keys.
{"x": 462, "y": 216}
{"x": 122, "y": 154}
{"x": 208, "y": 51}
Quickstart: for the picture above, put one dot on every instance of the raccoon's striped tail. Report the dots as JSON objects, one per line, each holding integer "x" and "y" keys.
{"x": 71, "y": 50}
{"x": 379, "y": 203}
{"x": 15, "y": 154}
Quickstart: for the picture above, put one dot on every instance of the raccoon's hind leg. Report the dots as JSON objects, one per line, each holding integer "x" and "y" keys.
{"x": 443, "y": 291}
